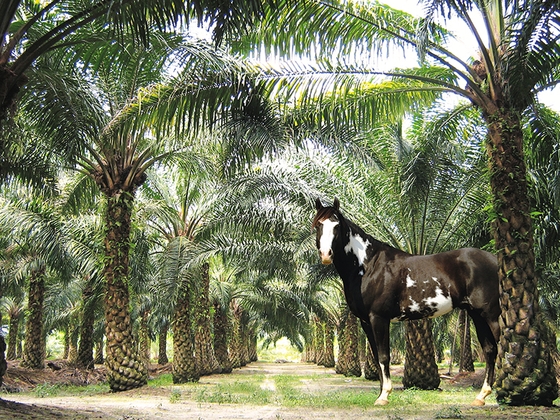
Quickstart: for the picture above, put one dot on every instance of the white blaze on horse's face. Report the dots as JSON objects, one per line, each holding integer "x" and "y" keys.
{"x": 325, "y": 243}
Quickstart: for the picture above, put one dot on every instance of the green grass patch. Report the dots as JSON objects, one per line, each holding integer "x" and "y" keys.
{"x": 54, "y": 390}
{"x": 165, "y": 379}
{"x": 238, "y": 392}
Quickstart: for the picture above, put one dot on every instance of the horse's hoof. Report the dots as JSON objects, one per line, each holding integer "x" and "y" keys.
{"x": 381, "y": 402}
{"x": 478, "y": 403}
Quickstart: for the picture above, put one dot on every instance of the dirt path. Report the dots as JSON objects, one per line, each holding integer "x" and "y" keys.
{"x": 158, "y": 403}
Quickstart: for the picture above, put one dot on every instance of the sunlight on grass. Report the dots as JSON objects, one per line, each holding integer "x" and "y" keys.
{"x": 331, "y": 391}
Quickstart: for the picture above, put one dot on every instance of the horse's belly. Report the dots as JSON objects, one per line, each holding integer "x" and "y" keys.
{"x": 425, "y": 307}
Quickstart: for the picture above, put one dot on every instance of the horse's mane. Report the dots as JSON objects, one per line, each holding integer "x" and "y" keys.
{"x": 323, "y": 214}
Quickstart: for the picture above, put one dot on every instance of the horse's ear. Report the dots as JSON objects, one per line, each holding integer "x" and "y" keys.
{"x": 336, "y": 204}
{"x": 318, "y": 204}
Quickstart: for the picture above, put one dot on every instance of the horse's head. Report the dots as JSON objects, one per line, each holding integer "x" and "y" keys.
{"x": 326, "y": 223}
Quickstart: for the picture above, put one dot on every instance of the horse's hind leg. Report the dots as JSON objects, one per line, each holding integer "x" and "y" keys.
{"x": 487, "y": 333}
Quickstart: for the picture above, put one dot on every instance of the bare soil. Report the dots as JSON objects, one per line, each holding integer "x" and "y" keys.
{"x": 152, "y": 402}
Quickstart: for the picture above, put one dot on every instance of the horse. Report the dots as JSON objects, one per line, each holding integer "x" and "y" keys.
{"x": 384, "y": 284}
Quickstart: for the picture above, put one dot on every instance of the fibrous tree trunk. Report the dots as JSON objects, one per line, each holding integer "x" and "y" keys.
{"x": 34, "y": 348}
{"x": 371, "y": 371}
{"x": 525, "y": 372}
{"x": 420, "y": 367}
{"x": 144, "y": 339}
{"x": 329, "y": 345}
{"x": 10, "y": 85}
{"x": 319, "y": 342}
{"x": 3, "y": 363}
{"x": 466, "y": 362}
{"x": 204, "y": 352}
{"x": 162, "y": 344}
{"x": 85, "y": 348}
{"x": 221, "y": 334}
{"x": 13, "y": 336}
{"x": 245, "y": 339}
{"x": 73, "y": 334}
{"x": 309, "y": 354}
{"x": 99, "y": 358}
{"x": 236, "y": 342}
{"x": 349, "y": 357}
{"x": 125, "y": 368}
{"x": 184, "y": 363}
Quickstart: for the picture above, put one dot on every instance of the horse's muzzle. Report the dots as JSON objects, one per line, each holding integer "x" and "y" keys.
{"x": 326, "y": 259}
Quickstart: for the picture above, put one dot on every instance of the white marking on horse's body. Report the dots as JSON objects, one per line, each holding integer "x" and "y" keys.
{"x": 409, "y": 281}
{"x": 358, "y": 247}
{"x": 441, "y": 303}
{"x": 414, "y": 306}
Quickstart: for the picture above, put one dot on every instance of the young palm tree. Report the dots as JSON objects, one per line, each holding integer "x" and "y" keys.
{"x": 14, "y": 308}
{"x": 35, "y": 228}
{"x": 518, "y": 56}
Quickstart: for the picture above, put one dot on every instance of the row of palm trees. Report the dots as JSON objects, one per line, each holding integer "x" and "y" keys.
{"x": 333, "y": 125}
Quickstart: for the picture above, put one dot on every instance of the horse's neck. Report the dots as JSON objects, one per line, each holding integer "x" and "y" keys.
{"x": 354, "y": 237}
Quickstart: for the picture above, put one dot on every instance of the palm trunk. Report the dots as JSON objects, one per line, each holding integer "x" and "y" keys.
{"x": 184, "y": 363}
{"x": 319, "y": 342}
{"x": 125, "y": 368}
{"x": 3, "y": 363}
{"x": 371, "y": 371}
{"x": 85, "y": 349}
{"x": 253, "y": 342}
{"x": 162, "y": 344}
{"x": 349, "y": 360}
{"x": 236, "y": 336}
{"x": 329, "y": 345}
{"x": 144, "y": 339}
{"x": 34, "y": 348}
{"x": 13, "y": 337}
{"x": 206, "y": 360}
{"x": 73, "y": 335}
{"x": 99, "y": 358}
{"x": 66, "y": 343}
{"x": 525, "y": 372}
{"x": 10, "y": 85}
{"x": 244, "y": 339}
{"x": 340, "y": 366}
{"x": 420, "y": 368}
{"x": 466, "y": 362}
{"x": 221, "y": 335}
{"x": 311, "y": 348}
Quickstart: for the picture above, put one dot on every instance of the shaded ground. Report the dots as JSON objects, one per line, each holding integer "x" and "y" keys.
{"x": 158, "y": 402}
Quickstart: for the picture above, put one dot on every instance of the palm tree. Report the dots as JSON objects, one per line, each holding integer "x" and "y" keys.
{"x": 518, "y": 56}
{"x": 14, "y": 309}
{"x": 35, "y": 228}
{"x": 119, "y": 147}
{"x": 30, "y": 30}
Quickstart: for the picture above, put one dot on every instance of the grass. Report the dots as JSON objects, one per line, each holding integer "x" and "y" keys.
{"x": 56, "y": 390}
{"x": 342, "y": 394}
{"x": 321, "y": 392}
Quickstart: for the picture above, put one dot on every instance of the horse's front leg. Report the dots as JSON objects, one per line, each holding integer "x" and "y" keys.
{"x": 380, "y": 327}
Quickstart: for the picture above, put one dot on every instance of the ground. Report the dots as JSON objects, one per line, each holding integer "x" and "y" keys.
{"x": 156, "y": 402}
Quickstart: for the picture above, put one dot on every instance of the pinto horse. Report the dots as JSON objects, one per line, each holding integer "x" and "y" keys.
{"x": 383, "y": 284}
